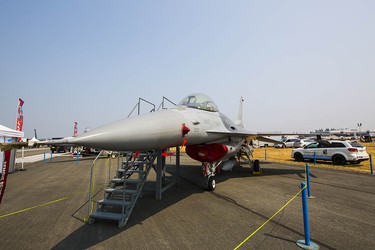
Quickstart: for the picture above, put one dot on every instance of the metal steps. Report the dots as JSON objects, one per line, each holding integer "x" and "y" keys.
{"x": 106, "y": 216}
{"x": 120, "y": 199}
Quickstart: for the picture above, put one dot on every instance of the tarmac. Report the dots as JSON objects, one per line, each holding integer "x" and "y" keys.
{"x": 44, "y": 208}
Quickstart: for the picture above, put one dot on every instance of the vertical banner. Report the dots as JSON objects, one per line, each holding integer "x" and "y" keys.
{"x": 19, "y": 122}
{"x": 75, "y": 133}
{"x": 4, "y": 173}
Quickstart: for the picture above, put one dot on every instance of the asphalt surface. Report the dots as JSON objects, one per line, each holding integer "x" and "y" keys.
{"x": 188, "y": 217}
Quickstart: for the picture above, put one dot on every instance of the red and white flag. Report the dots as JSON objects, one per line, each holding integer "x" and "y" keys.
{"x": 75, "y": 133}
{"x": 4, "y": 175}
{"x": 19, "y": 122}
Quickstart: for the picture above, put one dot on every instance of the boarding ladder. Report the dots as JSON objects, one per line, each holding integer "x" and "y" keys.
{"x": 124, "y": 190}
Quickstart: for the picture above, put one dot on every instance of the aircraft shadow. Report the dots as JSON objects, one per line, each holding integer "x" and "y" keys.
{"x": 192, "y": 182}
{"x": 89, "y": 235}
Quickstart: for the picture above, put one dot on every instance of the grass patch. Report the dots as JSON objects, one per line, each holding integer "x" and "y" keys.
{"x": 283, "y": 155}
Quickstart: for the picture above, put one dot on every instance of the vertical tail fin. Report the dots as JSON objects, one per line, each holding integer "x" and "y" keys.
{"x": 239, "y": 120}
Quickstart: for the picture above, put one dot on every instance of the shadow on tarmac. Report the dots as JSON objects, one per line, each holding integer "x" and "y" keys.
{"x": 89, "y": 235}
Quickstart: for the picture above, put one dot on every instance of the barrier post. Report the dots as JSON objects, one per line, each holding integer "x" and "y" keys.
{"x": 77, "y": 158}
{"x": 306, "y": 243}
{"x": 265, "y": 154}
{"x": 50, "y": 159}
{"x": 371, "y": 170}
{"x": 44, "y": 158}
{"x": 23, "y": 150}
{"x": 308, "y": 182}
{"x": 315, "y": 158}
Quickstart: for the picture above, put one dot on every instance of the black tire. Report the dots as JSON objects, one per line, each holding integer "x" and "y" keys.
{"x": 256, "y": 166}
{"x": 211, "y": 183}
{"x": 298, "y": 157}
{"x": 339, "y": 160}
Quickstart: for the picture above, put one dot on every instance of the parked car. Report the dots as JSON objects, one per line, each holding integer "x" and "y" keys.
{"x": 339, "y": 152}
{"x": 286, "y": 143}
{"x": 300, "y": 143}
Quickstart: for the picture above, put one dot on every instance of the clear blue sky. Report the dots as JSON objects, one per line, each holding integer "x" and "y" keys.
{"x": 300, "y": 65}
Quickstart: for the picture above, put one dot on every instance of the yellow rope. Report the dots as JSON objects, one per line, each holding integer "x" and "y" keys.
{"x": 259, "y": 228}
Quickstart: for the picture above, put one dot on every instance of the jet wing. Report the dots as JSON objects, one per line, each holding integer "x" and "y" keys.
{"x": 246, "y": 134}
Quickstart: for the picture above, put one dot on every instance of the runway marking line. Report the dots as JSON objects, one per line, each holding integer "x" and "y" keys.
{"x": 259, "y": 228}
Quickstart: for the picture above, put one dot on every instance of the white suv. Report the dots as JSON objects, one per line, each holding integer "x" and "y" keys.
{"x": 339, "y": 152}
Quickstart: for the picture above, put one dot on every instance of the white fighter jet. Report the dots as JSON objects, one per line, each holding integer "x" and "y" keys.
{"x": 209, "y": 136}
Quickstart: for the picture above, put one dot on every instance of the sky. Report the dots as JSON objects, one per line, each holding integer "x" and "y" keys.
{"x": 299, "y": 65}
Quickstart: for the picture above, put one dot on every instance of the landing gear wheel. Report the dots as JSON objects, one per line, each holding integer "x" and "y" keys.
{"x": 211, "y": 183}
{"x": 256, "y": 166}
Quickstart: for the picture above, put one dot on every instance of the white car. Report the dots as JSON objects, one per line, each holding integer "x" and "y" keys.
{"x": 300, "y": 143}
{"x": 287, "y": 143}
{"x": 339, "y": 152}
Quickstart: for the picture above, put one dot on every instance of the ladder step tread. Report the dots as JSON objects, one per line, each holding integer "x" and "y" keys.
{"x": 121, "y": 180}
{"x": 120, "y": 191}
{"x": 106, "y": 215}
{"x": 114, "y": 202}
{"x": 134, "y": 162}
{"x": 130, "y": 171}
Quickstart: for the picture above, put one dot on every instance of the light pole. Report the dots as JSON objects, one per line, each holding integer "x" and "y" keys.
{"x": 359, "y": 124}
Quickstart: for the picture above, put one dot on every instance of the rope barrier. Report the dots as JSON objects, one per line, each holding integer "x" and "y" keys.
{"x": 259, "y": 228}
{"x": 27, "y": 209}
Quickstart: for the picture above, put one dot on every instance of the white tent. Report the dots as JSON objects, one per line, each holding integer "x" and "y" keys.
{"x": 5, "y": 135}
{"x": 7, "y": 132}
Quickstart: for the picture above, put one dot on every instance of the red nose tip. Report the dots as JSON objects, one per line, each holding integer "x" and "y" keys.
{"x": 185, "y": 130}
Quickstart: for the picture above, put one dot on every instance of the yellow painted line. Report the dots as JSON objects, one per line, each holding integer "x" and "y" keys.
{"x": 46, "y": 203}
{"x": 259, "y": 228}
{"x": 30, "y": 208}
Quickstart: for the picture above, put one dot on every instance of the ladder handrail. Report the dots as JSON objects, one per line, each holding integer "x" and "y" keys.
{"x": 162, "y": 103}
{"x": 139, "y": 106}
{"x": 148, "y": 161}
{"x": 91, "y": 182}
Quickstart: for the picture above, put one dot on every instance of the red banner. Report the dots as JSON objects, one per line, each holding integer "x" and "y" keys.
{"x": 19, "y": 122}
{"x": 4, "y": 175}
{"x": 75, "y": 133}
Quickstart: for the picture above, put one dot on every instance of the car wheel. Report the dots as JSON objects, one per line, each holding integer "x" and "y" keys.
{"x": 339, "y": 160}
{"x": 298, "y": 157}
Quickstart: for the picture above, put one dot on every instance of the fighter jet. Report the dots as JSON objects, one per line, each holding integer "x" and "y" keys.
{"x": 196, "y": 122}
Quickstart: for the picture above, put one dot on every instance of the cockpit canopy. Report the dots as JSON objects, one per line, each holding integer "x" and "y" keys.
{"x": 199, "y": 101}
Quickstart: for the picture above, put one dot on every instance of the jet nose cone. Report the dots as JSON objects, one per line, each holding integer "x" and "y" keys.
{"x": 145, "y": 132}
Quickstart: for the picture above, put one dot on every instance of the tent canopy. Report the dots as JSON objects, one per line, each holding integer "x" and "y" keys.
{"x": 5, "y": 131}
